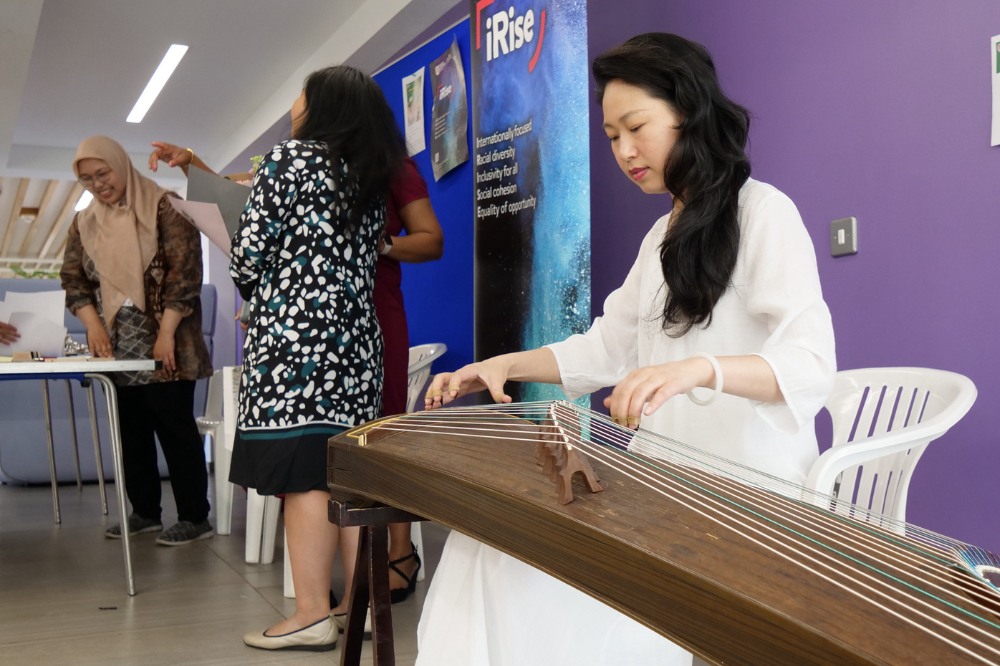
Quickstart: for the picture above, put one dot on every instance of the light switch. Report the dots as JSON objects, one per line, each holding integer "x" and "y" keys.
{"x": 844, "y": 236}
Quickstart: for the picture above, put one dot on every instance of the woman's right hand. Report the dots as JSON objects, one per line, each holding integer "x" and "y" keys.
{"x": 490, "y": 375}
{"x": 98, "y": 342}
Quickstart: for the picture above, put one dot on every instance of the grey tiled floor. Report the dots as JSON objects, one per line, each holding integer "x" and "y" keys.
{"x": 63, "y": 598}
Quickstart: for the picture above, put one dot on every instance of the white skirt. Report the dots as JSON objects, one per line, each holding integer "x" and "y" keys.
{"x": 485, "y": 608}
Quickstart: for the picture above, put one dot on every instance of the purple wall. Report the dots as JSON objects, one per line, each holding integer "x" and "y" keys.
{"x": 879, "y": 110}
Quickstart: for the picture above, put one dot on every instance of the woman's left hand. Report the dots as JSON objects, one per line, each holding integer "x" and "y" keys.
{"x": 645, "y": 390}
{"x": 163, "y": 351}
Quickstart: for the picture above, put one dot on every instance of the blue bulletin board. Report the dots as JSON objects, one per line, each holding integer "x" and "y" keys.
{"x": 439, "y": 294}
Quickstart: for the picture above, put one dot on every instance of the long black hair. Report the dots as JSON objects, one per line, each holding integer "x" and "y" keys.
{"x": 705, "y": 169}
{"x": 346, "y": 110}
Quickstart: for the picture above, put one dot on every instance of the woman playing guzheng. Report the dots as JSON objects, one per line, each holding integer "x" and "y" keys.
{"x": 719, "y": 337}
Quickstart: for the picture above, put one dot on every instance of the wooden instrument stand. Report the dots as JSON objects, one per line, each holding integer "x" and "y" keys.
{"x": 371, "y": 580}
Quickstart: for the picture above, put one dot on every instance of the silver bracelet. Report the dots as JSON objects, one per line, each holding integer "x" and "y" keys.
{"x": 718, "y": 380}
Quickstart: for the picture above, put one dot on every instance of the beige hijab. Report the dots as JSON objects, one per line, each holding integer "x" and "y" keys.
{"x": 121, "y": 239}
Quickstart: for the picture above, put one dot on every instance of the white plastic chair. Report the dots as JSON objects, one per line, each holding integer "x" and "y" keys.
{"x": 219, "y": 423}
{"x": 211, "y": 427}
{"x": 422, "y": 357}
{"x": 262, "y": 510}
{"x": 883, "y": 419}
{"x": 419, "y": 370}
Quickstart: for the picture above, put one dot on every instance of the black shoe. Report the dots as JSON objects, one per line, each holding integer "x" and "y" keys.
{"x": 402, "y": 593}
{"x": 185, "y": 532}
{"x": 136, "y": 525}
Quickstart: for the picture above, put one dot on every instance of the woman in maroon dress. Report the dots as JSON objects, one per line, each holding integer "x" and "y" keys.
{"x": 409, "y": 209}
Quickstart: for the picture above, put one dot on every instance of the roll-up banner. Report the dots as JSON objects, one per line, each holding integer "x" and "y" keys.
{"x": 530, "y": 99}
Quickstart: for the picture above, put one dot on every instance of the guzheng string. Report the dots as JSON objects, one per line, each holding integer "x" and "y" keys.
{"x": 867, "y": 578}
{"x": 865, "y": 554}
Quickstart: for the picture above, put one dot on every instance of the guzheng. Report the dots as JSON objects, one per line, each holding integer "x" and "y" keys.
{"x": 738, "y": 567}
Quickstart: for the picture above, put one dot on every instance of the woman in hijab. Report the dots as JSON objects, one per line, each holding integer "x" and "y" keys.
{"x": 132, "y": 273}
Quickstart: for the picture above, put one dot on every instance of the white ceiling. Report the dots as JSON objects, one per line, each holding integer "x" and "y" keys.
{"x": 73, "y": 68}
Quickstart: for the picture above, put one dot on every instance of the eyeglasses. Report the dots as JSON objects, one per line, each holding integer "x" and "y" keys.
{"x": 101, "y": 176}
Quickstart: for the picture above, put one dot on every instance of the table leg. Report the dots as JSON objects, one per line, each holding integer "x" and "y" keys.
{"x": 76, "y": 442}
{"x": 95, "y": 436}
{"x": 111, "y": 398}
{"x": 52, "y": 453}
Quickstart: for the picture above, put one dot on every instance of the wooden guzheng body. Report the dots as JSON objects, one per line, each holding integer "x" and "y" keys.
{"x": 738, "y": 569}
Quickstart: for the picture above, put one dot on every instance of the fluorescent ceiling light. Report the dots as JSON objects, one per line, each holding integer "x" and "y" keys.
{"x": 84, "y": 201}
{"x": 155, "y": 85}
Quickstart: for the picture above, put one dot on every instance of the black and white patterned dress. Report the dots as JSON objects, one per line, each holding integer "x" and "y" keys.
{"x": 313, "y": 352}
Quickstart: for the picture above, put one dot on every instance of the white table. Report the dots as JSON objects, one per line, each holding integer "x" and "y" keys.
{"x": 85, "y": 370}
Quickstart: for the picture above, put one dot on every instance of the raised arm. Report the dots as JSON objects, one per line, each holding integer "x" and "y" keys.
{"x": 175, "y": 156}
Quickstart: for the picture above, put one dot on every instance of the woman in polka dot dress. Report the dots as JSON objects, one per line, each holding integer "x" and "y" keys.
{"x": 304, "y": 257}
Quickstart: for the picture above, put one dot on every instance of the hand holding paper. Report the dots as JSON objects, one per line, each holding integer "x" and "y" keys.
{"x": 38, "y": 320}
{"x": 214, "y": 204}
{"x": 8, "y": 333}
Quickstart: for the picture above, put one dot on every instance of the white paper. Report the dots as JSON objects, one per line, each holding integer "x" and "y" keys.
{"x": 49, "y": 304}
{"x": 214, "y": 204}
{"x": 413, "y": 110}
{"x": 207, "y": 218}
{"x": 38, "y": 317}
{"x": 37, "y": 335}
{"x": 209, "y": 187}
{"x": 995, "y": 68}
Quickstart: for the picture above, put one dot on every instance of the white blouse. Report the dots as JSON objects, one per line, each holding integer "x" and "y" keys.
{"x": 774, "y": 309}
{"x": 485, "y": 607}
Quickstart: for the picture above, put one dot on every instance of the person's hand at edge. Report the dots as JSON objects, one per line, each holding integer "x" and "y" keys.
{"x": 8, "y": 333}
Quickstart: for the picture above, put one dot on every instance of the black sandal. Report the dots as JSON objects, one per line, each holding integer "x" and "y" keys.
{"x": 402, "y": 593}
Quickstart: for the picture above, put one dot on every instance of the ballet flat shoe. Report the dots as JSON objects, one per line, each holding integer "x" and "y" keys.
{"x": 340, "y": 619}
{"x": 317, "y": 637}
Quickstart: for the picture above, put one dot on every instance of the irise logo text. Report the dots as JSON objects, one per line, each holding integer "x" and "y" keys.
{"x": 507, "y": 32}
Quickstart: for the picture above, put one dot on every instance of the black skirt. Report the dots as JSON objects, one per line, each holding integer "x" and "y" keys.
{"x": 276, "y": 462}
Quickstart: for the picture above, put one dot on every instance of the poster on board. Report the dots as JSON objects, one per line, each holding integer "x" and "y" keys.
{"x": 413, "y": 112}
{"x": 438, "y": 294}
{"x": 449, "y": 115}
{"x": 530, "y": 97}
